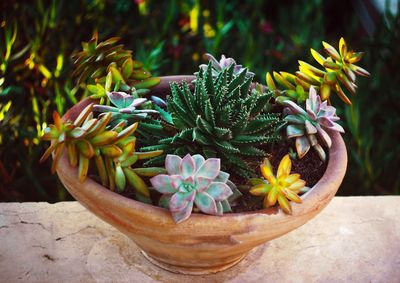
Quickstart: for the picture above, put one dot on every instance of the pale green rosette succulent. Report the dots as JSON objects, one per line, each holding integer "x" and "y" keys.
{"x": 126, "y": 108}
{"x": 192, "y": 180}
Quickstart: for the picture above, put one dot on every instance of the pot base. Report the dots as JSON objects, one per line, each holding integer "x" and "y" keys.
{"x": 191, "y": 270}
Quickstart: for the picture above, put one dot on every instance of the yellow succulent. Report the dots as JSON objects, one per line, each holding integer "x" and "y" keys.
{"x": 282, "y": 187}
{"x": 339, "y": 70}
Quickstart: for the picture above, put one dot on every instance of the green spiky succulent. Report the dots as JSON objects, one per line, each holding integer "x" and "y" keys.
{"x": 112, "y": 149}
{"x": 222, "y": 118}
{"x": 339, "y": 70}
{"x": 106, "y": 66}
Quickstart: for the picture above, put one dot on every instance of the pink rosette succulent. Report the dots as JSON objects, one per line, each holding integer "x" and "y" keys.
{"x": 192, "y": 180}
{"x": 306, "y": 125}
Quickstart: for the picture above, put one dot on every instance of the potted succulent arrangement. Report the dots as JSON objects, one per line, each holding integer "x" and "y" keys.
{"x": 198, "y": 170}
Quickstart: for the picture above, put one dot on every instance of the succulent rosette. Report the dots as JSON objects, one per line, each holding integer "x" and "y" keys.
{"x": 282, "y": 187}
{"x": 223, "y": 64}
{"x": 306, "y": 126}
{"x": 190, "y": 181}
{"x": 338, "y": 71}
{"x": 126, "y": 107}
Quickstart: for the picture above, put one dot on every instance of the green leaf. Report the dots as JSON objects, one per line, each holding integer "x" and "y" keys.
{"x": 127, "y": 68}
{"x": 250, "y": 139}
{"x": 180, "y": 117}
{"x": 252, "y": 151}
{"x": 225, "y": 115}
{"x": 186, "y": 135}
{"x": 147, "y": 83}
{"x": 238, "y": 81}
{"x": 136, "y": 182}
{"x": 130, "y": 160}
{"x": 227, "y": 147}
{"x": 140, "y": 74}
{"x": 262, "y": 124}
{"x": 120, "y": 179}
{"x": 156, "y": 161}
{"x": 166, "y": 116}
{"x": 241, "y": 121}
{"x": 220, "y": 96}
{"x": 209, "y": 113}
{"x": 152, "y": 128}
{"x": 223, "y": 133}
{"x": 150, "y": 171}
{"x": 209, "y": 82}
{"x": 226, "y": 207}
{"x": 203, "y": 125}
{"x": 234, "y": 94}
{"x": 189, "y": 100}
{"x": 229, "y": 72}
{"x": 235, "y": 162}
{"x": 209, "y": 152}
{"x": 108, "y": 82}
{"x": 92, "y": 88}
{"x": 244, "y": 88}
{"x": 260, "y": 104}
{"x": 199, "y": 137}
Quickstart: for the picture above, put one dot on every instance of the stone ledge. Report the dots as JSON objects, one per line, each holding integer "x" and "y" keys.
{"x": 355, "y": 239}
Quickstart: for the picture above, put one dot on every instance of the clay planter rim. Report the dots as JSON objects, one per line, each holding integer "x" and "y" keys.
{"x": 231, "y": 235}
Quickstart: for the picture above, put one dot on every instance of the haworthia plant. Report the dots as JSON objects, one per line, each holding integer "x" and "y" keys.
{"x": 221, "y": 118}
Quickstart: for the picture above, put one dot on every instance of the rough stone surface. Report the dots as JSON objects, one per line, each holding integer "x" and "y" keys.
{"x": 355, "y": 239}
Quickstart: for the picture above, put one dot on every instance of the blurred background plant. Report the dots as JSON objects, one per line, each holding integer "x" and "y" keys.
{"x": 38, "y": 37}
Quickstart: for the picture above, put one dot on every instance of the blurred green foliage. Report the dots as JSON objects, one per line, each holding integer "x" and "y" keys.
{"x": 38, "y": 37}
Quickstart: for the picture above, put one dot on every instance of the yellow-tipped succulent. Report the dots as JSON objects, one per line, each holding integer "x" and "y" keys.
{"x": 112, "y": 149}
{"x": 282, "y": 188}
{"x": 339, "y": 70}
{"x": 105, "y": 66}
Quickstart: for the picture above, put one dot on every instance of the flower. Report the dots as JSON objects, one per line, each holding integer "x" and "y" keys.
{"x": 282, "y": 187}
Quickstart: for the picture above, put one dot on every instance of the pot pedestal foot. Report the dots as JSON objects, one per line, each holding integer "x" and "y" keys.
{"x": 192, "y": 270}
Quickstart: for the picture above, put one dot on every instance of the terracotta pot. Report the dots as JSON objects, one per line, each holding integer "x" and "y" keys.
{"x": 203, "y": 243}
